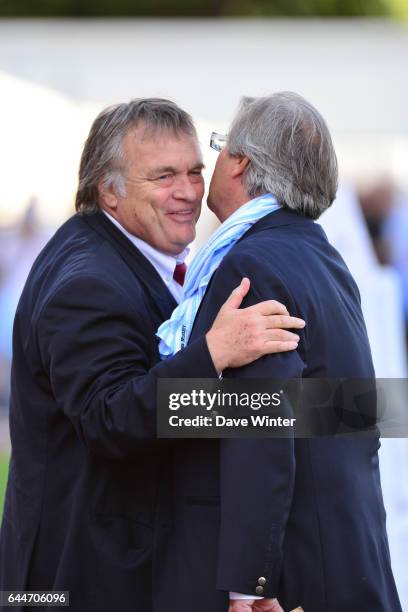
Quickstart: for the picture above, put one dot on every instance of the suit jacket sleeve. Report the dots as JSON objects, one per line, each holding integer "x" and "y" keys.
{"x": 257, "y": 475}
{"x": 97, "y": 350}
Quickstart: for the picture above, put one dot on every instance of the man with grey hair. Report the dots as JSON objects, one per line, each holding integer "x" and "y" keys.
{"x": 89, "y": 499}
{"x": 287, "y": 521}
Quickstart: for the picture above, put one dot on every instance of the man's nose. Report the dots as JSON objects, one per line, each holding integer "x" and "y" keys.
{"x": 184, "y": 190}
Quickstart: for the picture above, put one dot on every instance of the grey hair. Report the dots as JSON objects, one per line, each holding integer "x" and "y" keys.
{"x": 290, "y": 150}
{"x": 103, "y": 158}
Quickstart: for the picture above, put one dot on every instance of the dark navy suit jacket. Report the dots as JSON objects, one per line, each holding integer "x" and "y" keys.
{"x": 89, "y": 498}
{"x": 306, "y": 514}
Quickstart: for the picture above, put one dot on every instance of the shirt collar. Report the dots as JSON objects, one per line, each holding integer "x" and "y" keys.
{"x": 163, "y": 263}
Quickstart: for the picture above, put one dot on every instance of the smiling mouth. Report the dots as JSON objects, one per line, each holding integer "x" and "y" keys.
{"x": 183, "y": 215}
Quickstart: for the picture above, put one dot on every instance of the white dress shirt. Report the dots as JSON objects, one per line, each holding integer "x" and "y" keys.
{"x": 163, "y": 264}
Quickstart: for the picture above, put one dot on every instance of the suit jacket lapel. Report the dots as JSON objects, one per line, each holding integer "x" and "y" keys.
{"x": 140, "y": 266}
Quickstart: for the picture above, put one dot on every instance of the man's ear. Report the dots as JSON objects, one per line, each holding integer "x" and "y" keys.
{"x": 107, "y": 196}
{"x": 241, "y": 164}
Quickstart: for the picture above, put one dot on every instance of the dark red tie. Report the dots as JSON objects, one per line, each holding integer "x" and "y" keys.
{"x": 180, "y": 273}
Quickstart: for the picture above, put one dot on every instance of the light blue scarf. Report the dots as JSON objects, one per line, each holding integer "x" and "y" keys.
{"x": 175, "y": 332}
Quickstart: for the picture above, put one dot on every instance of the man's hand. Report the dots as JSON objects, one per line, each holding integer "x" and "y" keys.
{"x": 240, "y": 336}
{"x": 254, "y": 605}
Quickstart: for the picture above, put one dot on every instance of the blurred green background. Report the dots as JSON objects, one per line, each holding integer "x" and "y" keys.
{"x": 4, "y": 462}
{"x": 198, "y": 8}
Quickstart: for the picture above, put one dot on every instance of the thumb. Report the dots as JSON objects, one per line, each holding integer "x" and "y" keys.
{"x": 236, "y": 297}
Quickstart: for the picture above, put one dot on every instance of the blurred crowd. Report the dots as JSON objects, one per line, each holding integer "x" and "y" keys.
{"x": 385, "y": 211}
{"x": 21, "y": 243}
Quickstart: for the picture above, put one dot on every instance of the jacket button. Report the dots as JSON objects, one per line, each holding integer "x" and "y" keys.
{"x": 259, "y": 590}
{"x": 262, "y": 581}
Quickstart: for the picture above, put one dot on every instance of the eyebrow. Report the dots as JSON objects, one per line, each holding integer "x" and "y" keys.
{"x": 163, "y": 169}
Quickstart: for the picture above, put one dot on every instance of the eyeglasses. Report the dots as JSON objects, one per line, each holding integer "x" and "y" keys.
{"x": 218, "y": 141}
